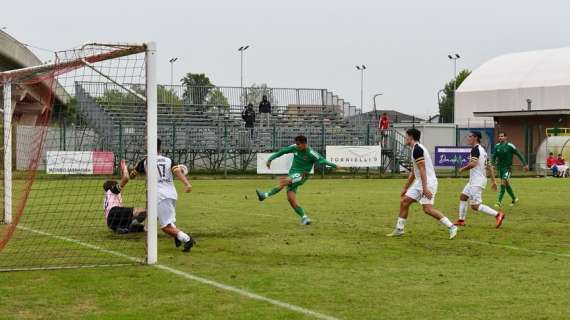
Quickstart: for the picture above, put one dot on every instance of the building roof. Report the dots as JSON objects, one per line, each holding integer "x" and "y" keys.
{"x": 523, "y": 113}
{"x": 541, "y": 68}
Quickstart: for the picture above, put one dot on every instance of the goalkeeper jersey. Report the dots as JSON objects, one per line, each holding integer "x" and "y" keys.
{"x": 503, "y": 156}
{"x": 303, "y": 161}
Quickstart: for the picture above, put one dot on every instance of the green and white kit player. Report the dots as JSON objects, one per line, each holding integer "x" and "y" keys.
{"x": 503, "y": 161}
{"x": 303, "y": 161}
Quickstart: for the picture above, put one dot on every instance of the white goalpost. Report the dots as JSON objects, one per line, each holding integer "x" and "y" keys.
{"x": 93, "y": 108}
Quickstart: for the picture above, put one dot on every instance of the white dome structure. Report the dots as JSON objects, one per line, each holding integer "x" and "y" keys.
{"x": 504, "y": 85}
{"x": 556, "y": 145}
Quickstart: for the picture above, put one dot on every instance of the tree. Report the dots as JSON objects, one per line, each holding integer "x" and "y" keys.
{"x": 198, "y": 87}
{"x": 217, "y": 99}
{"x": 168, "y": 96}
{"x": 256, "y": 92}
{"x": 447, "y": 101}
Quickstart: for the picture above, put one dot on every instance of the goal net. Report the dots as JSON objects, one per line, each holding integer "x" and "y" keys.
{"x": 66, "y": 128}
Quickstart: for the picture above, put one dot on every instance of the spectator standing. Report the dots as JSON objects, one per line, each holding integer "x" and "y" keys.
{"x": 248, "y": 115}
{"x": 551, "y": 164}
{"x": 265, "y": 110}
{"x": 383, "y": 126}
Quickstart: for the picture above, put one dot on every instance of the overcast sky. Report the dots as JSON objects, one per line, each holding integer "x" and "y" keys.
{"x": 314, "y": 44}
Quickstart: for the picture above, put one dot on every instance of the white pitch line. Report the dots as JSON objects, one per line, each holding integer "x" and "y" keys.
{"x": 504, "y": 246}
{"x": 192, "y": 277}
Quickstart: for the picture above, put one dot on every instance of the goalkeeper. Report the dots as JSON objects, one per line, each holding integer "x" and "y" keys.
{"x": 121, "y": 219}
{"x": 303, "y": 160}
{"x": 503, "y": 161}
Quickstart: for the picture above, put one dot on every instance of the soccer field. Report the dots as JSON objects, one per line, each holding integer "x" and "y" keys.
{"x": 341, "y": 267}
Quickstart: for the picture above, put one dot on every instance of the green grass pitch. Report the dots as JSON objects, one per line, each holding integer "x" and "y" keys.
{"x": 342, "y": 265}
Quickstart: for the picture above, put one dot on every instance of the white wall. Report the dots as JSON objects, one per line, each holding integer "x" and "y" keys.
{"x": 433, "y": 134}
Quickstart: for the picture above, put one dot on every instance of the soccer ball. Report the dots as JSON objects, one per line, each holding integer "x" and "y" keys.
{"x": 184, "y": 169}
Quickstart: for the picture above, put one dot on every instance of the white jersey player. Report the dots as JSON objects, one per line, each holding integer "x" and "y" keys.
{"x": 472, "y": 194}
{"x": 167, "y": 197}
{"x": 420, "y": 187}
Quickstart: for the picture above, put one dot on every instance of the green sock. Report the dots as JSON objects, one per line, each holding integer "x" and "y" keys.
{"x": 300, "y": 211}
{"x": 501, "y": 194}
{"x": 273, "y": 191}
{"x": 511, "y": 192}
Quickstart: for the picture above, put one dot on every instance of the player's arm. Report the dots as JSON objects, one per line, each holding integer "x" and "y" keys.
{"x": 180, "y": 175}
{"x": 139, "y": 169}
{"x": 474, "y": 157}
{"x": 409, "y": 181}
{"x": 124, "y": 174}
{"x": 491, "y": 174}
{"x": 279, "y": 153}
{"x": 423, "y": 176}
{"x": 494, "y": 156}
{"x": 322, "y": 160}
{"x": 521, "y": 158}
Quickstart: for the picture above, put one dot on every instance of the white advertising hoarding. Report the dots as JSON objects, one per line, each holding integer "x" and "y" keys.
{"x": 355, "y": 156}
{"x": 79, "y": 162}
{"x": 280, "y": 165}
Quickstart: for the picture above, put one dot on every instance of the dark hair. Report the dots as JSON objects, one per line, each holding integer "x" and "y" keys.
{"x": 551, "y": 154}
{"x": 503, "y": 133}
{"x": 477, "y": 134}
{"x": 300, "y": 139}
{"x": 158, "y": 143}
{"x": 109, "y": 184}
{"x": 414, "y": 133}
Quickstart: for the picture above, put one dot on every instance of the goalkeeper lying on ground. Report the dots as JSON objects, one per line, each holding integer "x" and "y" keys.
{"x": 121, "y": 219}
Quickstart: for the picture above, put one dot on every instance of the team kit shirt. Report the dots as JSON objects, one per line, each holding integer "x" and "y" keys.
{"x": 303, "y": 161}
{"x": 165, "y": 166}
{"x": 420, "y": 154}
{"x": 112, "y": 199}
{"x": 503, "y": 156}
{"x": 478, "y": 174}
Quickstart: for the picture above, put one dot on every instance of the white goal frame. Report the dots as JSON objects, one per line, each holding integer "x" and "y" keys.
{"x": 152, "y": 135}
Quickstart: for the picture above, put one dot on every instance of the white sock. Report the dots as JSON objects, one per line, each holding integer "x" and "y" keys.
{"x": 182, "y": 236}
{"x": 462, "y": 210}
{"x": 401, "y": 223}
{"x": 488, "y": 210}
{"x": 445, "y": 221}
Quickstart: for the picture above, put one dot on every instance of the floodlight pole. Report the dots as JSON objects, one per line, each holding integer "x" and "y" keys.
{"x": 172, "y": 60}
{"x": 454, "y": 57}
{"x": 361, "y": 69}
{"x": 241, "y": 51}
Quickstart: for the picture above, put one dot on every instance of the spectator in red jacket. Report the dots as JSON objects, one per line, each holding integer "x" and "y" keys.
{"x": 551, "y": 164}
{"x": 561, "y": 166}
{"x": 383, "y": 126}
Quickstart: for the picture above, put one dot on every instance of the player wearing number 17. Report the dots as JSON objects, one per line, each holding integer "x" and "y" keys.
{"x": 167, "y": 197}
{"x": 303, "y": 161}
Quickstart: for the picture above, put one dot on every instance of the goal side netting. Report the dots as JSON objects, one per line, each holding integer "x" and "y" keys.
{"x": 67, "y": 127}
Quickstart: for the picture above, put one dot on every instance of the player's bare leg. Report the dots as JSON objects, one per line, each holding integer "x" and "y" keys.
{"x": 179, "y": 237}
{"x": 463, "y": 206}
{"x": 405, "y": 203}
{"x": 292, "y": 198}
{"x": 436, "y": 214}
{"x": 283, "y": 182}
{"x": 499, "y": 216}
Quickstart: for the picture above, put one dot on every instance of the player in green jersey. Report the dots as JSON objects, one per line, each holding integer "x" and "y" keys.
{"x": 303, "y": 160}
{"x": 503, "y": 161}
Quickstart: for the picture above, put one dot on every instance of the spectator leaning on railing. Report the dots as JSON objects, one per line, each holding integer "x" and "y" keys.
{"x": 265, "y": 110}
{"x": 248, "y": 115}
{"x": 383, "y": 126}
